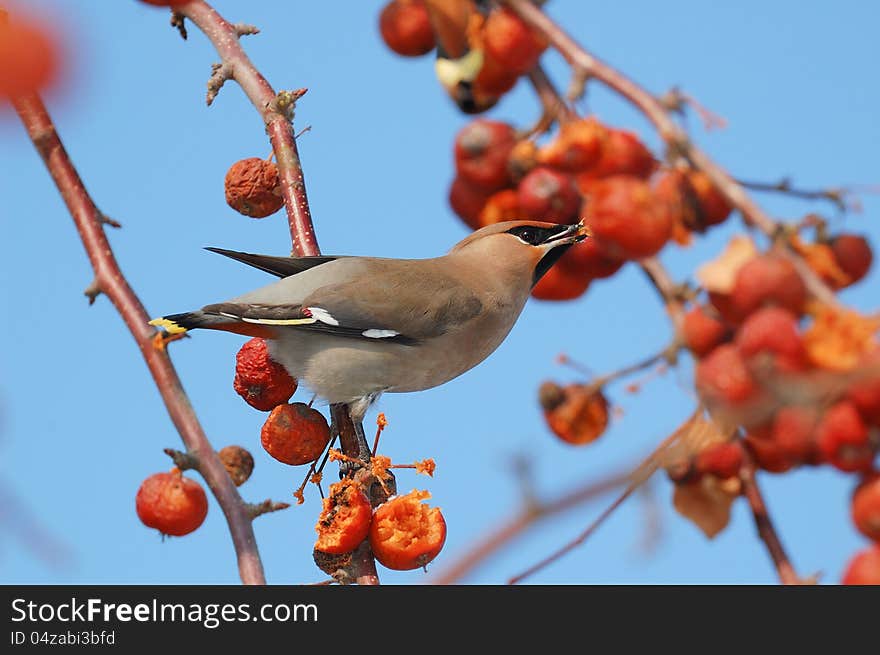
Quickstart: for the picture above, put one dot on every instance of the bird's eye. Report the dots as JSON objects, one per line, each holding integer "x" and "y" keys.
{"x": 528, "y": 236}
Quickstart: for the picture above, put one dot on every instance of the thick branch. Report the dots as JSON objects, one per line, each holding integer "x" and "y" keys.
{"x": 276, "y": 111}
{"x": 672, "y": 134}
{"x": 109, "y": 279}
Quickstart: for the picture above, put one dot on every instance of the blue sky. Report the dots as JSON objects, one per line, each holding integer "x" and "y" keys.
{"x": 81, "y": 423}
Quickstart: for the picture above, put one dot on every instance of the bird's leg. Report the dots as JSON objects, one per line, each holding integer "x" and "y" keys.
{"x": 351, "y": 438}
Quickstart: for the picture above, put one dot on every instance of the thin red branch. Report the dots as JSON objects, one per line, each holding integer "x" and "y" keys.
{"x": 672, "y": 134}
{"x": 110, "y": 280}
{"x": 276, "y": 111}
{"x": 764, "y": 524}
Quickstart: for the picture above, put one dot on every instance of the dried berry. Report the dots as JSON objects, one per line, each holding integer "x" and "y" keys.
{"x": 253, "y": 188}
{"x": 239, "y": 463}
{"x": 262, "y": 382}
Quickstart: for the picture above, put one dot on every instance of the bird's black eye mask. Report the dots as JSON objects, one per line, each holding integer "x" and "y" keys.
{"x": 535, "y": 236}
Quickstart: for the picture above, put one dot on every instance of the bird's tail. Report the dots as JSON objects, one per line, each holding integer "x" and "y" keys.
{"x": 180, "y": 323}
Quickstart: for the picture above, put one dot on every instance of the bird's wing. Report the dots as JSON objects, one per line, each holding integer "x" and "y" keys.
{"x": 396, "y": 303}
{"x": 280, "y": 266}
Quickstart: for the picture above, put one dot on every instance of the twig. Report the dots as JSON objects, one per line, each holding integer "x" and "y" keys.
{"x": 267, "y": 506}
{"x": 109, "y": 278}
{"x": 531, "y": 514}
{"x": 669, "y": 354}
{"x": 676, "y": 100}
{"x": 840, "y": 197}
{"x": 672, "y": 134}
{"x": 766, "y": 530}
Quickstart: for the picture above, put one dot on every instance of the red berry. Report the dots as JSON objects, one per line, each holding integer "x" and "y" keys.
{"x": 623, "y": 213}
{"x": 467, "y": 201}
{"x": 561, "y": 283}
{"x": 694, "y": 199}
{"x": 344, "y": 521}
{"x": 493, "y": 81}
{"x": 794, "y": 431}
{"x": 623, "y": 154}
{"x": 768, "y": 280}
{"x": 170, "y": 503}
{"x": 865, "y": 392}
{"x": 253, "y": 188}
{"x": 768, "y": 455}
{"x": 866, "y": 507}
{"x": 770, "y": 336}
{"x": 501, "y": 206}
{"x": 262, "y": 382}
{"x": 592, "y": 259}
{"x": 406, "y": 533}
{"x": 844, "y": 439}
{"x": 405, "y": 26}
{"x": 702, "y": 332}
{"x": 29, "y": 57}
{"x": 723, "y": 460}
{"x": 482, "y": 149}
{"x": 510, "y": 42}
{"x": 548, "y": 195}
{"x": 577, "y": 147}
{"x": 238, "y": 462}
{"x": 863, "y": 568}
{"x": 853, "y": 255}
{"x": 295, "y": 434}
{"x": 722, "y": 377}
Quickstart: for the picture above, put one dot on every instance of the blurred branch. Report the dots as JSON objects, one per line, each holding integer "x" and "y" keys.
{"x": 110, "y": 281}
{"x": 587, "y": 65}
{"x": 840, "y": 197}
{"x": 530, "y": 514}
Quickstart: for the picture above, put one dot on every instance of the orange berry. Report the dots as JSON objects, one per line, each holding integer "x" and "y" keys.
{"x": 843, "y": 438}
{"x": 262, "y": 382}
{"x": 405, "y": 26}
{"x": 768, "y": 280}
{"x": 722, "y": 377}
{"x": 863, "y": 568}
{"x": 695, "y": 201}
{"x": 723, "y": 460}
{"x": 768, "y": 455}
{"x": 467, "y": 201}
{"x": 548, "y": 195}
{"x": 577, "y": 147}
{"x": 501, "y": 206}
{"x": 509, "y": 41}
{"x": 592, "y": 259}
{"x": 238, "y": 462}
{"x": 406, "y": 533}
{"x": 794, "y": 431}
{"x": 561, "y": 283}
{"x": 576, "y": 414}
{"x": 853, "y": 255}
{"x": 170, "y": 503}
{"x": 29, "y": 57}
{"x": 295, "y": 434}
{"x": 622, "y": 154}
{"x": 865, "y": 393}
{"x": 493, "y": 81}
{"x": 866, "y": 507}
{"x": 344, "y": 520}
{"x": 702, "y": 332}
{"x": 253, "y": 188}
{"x": 623, "y": 213}
{"x": 771, "y": 336}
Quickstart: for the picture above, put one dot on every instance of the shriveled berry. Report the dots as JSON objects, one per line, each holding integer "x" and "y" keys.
{"x": 863, "y": 568}
{"x": 406, "y": 533}
{"x": 253, "y": 188}
{"x": 262, "y": 382}
{"x": 702, "y": 331}
{"x": 548, "y": 195}
{"x": 344, "y": 521}
{"x": 295, "y": 434}
{"x": 405, "y": 26}
{"x": 623, "y": 214}
{"x": 581, "y": 417}
{"x": 844, "y": 439}
{"x": 239, "y": 463}
{"x": 170, "y": 503}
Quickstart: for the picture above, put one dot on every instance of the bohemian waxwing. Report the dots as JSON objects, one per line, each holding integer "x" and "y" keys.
{"x": 352, "y": 328}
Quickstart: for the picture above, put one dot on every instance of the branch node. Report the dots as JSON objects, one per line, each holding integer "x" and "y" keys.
{"x": 178, "y": 21}
{"x": 219, "y": 74}
{"x": 577, "y": 87}
{"x": 285, "y": 102}
{"x": 258, "y": 509}
{"x": 93, "y": 291}
{"x": 183, "y": 461}
{"x": 243, "y": 29}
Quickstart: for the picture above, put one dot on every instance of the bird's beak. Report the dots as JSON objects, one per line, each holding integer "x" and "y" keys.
{"x": 567, "y": 234}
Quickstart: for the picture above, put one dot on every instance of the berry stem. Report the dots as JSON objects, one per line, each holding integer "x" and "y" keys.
{"x": 112, "y": 282}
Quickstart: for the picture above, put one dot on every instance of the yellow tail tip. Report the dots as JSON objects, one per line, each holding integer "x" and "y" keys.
{"x": 169, "y": 326}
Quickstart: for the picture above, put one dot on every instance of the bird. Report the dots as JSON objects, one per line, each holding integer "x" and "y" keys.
{"x": 351, "y": 328}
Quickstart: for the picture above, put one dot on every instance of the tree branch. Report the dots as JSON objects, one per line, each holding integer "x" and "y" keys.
{"x": 110, "y": 280}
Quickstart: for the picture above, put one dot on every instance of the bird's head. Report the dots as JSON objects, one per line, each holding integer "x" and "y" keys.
{"x": 530, "y": 247}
